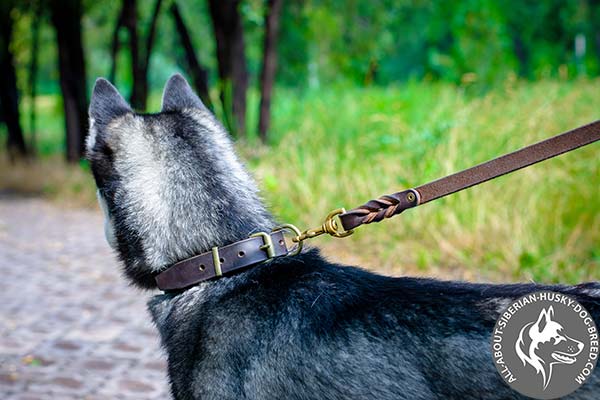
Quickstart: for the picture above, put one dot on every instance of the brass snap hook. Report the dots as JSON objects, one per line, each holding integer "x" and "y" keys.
{"x": 331, "y": 225}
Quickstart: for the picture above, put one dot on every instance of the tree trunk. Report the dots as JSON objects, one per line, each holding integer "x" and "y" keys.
{"x": 233, "y": 73}
{"x": 140, "y": 57}
{"x": 522, "y": 54}
{"x": 148, "y": 51}
{"x": 130, "y": 23}
{"x": 66, "y": 18}
{"x": 594, "y": 23}
{"x": 196, "y": 70}
{"x": 267, "y": 75}
{"x": 33, "y": 71}
{"x": 116, "y": 43}
{"x": 9, "y": 97}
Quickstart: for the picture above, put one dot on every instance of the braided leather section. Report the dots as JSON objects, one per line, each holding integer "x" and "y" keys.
{"x": 376, "y": 210}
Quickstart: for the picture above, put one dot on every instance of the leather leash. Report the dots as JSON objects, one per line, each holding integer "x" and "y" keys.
{"x": 389, "y": 205}
{"x": 264, "y": 246}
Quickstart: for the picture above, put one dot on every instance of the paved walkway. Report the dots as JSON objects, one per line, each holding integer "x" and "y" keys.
{"x": 70, "y": 327}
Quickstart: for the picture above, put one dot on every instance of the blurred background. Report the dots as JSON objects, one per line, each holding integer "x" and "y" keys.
{"x": 335, "y": 102}
{"x": 331, "y": 103}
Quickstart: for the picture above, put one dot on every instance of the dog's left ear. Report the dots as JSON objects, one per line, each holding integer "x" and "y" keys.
{"x": 178, "y": 95}
{"x": 106, "y": 103}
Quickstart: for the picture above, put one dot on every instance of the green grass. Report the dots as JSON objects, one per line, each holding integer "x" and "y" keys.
{"x": 339, "y": 147}
{"x": 342, "y": 147}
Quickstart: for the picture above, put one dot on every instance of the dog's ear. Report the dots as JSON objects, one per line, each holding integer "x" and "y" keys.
{"x": 106, "y": 103}
{"x": 544, "y": 318}
{"x": 178, "y": 95}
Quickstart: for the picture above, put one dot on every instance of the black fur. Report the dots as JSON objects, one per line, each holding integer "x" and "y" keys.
{"x": 303, "y": 328}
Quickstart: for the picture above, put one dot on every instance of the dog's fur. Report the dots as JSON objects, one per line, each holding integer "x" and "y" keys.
{"x": 543, "y": 343}
{"x": 294, "y": 328}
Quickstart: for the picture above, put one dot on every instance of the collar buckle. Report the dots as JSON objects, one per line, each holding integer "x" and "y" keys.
{"x": 268, "y": 243}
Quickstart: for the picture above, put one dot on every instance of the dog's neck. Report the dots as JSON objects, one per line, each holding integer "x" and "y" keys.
{"x": 188, "y": 219}
{"x": 170, "y": 183}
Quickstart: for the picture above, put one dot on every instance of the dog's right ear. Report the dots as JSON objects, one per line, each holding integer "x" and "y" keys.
{"x": 178, "y": 95}
{"x": 106, "y": 103}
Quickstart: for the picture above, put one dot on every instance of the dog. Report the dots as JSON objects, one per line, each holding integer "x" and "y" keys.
{"x": 543, "y": 344}
{"x": 298, "y": 327}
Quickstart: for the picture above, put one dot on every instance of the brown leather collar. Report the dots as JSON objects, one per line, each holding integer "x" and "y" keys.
{"x": 222, "y": 260}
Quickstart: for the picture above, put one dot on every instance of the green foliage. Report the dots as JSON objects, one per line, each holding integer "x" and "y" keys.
{"x": 355, "y": 42}
{"x": 481, "y": 41}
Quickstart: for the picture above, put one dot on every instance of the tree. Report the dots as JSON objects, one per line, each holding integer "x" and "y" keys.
{"x": 66, "y": 18}
{"x": 594, "y": 23}
{"x": 196, "y": 70}
{"x": 114, "y": 49}
{"x": 140, "y": 56}
{"x": 36, "y": 9}
{"x": 231, "y": 57}
{"x": 9, "y": 97}
{"x": 267, "y": 75}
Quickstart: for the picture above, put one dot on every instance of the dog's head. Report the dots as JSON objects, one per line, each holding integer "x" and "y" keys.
{"x": 169, "y": 183}
{"x": 544, "y": 343}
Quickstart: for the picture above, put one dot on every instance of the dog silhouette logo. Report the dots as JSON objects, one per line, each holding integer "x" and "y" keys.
{"x": 544, "y": 344}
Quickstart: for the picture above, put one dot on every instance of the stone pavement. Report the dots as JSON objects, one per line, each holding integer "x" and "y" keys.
{"x": 70, "y": 327}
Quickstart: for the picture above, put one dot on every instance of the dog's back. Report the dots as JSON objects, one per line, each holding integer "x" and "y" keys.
{"x": 302, "y": 328}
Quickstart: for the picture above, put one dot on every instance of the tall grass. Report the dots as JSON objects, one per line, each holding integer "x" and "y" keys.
{"x": 342, "y": 146}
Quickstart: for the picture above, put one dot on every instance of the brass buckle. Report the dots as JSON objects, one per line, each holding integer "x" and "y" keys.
{"x": 331, "y": 225}
{"x": 268, "y": 243}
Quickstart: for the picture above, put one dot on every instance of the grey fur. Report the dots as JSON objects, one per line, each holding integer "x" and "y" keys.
{"x": 178, "y": 95}
{"x": 296, "y": 327}
{"x": 170, "y": 181}
{"x": 106, "y": 103}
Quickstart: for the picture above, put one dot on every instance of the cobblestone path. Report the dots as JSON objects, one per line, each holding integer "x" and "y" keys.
{"x": 70, "y": 327}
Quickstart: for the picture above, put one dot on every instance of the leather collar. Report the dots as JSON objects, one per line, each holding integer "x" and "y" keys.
{"x": 223, "y": 260}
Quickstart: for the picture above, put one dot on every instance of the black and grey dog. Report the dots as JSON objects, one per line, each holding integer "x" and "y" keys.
{"x": 296, "y": 327}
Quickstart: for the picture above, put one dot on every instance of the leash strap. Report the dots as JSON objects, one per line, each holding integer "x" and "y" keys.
{"x": 393, "y": 204}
